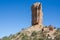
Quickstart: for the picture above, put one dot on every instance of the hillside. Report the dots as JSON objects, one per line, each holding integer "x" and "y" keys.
{"x": 36, "y": 32}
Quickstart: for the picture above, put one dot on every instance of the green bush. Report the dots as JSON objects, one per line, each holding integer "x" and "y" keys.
{"x": 25, "y": 37}
{"x": 6, "y": 38}
{"x": 33, "y": 33}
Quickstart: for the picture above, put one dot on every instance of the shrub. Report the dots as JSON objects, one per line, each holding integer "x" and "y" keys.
{"x": 33, "y": 33}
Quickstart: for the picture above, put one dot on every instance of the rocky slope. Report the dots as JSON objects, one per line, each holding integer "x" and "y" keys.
{"x": 36, "y": 32}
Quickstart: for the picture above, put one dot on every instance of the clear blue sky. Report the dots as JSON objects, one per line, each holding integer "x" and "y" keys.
{"x": 16, "y": 14}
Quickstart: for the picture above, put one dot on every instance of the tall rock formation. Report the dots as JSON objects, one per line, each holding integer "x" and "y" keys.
{"x": 37, "y": 14}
